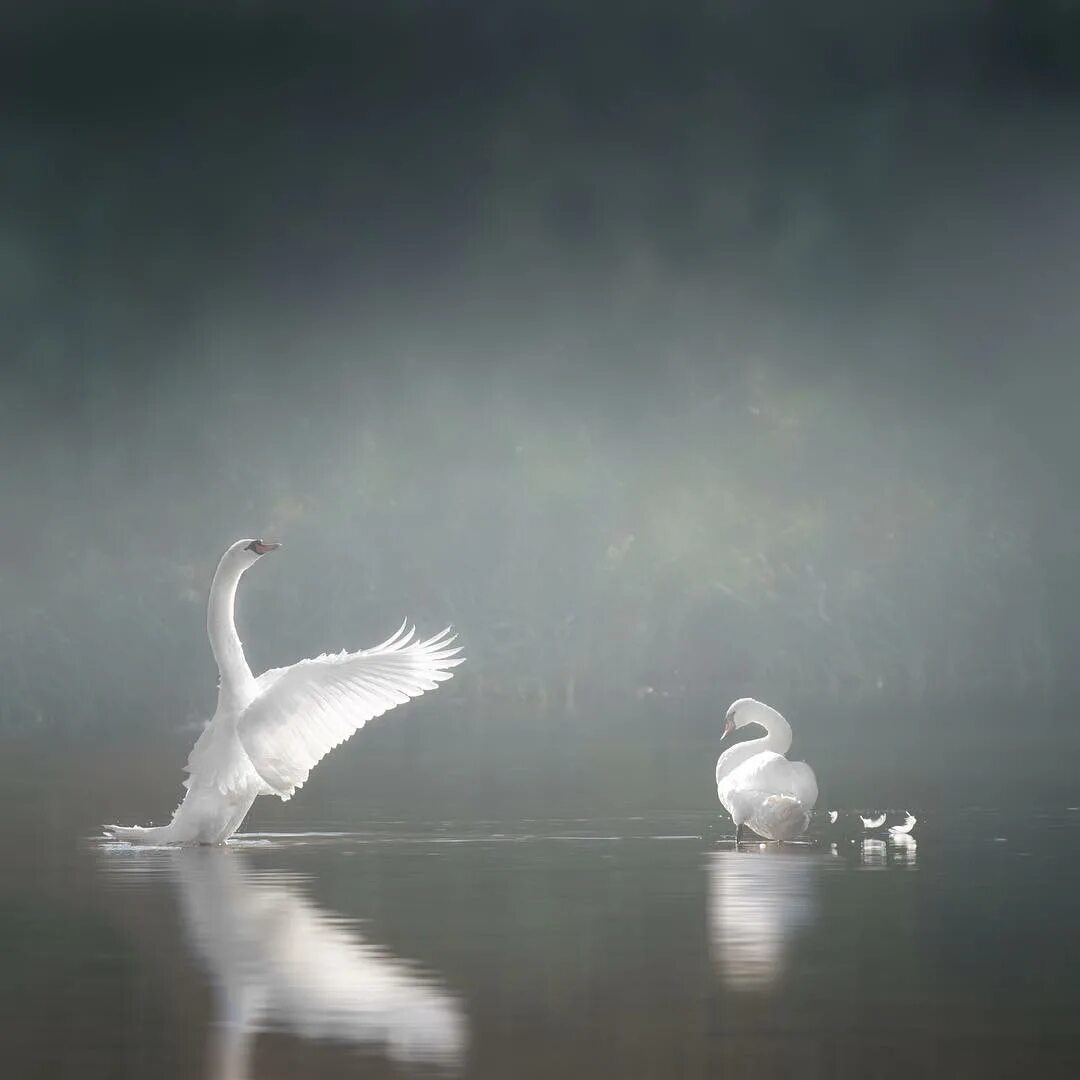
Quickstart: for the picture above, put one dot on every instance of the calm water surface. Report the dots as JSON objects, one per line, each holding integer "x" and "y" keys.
{"x": 632, "y": 948}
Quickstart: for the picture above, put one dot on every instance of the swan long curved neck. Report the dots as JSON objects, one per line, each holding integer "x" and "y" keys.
{"x": 236, "y": 677}
{"x": 777, "y": 738}
{"x": 777, "y": 732}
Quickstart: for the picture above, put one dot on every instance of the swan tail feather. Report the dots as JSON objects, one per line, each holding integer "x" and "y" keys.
{"x": 781, "y": 817}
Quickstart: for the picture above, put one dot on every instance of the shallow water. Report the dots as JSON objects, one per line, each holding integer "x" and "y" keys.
{"x": 631, "y": 948}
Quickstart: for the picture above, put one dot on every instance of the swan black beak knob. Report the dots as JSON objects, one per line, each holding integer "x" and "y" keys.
{"x": 262, "y": 547}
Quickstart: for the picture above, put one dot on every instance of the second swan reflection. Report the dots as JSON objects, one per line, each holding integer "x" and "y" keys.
{"x": 758, "y": 904}
{"x": 761, "y": 902}
{"x": 278, "y": 961}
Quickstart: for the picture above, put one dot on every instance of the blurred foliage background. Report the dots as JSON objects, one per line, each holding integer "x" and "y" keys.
{"x": 671, "y": 355}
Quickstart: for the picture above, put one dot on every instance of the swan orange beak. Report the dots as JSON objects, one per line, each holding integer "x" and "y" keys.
{"x": 729, "y": 727}
{"x": 261, "y": 548}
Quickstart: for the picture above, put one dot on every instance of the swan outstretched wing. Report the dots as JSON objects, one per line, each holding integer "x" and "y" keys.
{"x": 308, "y": 709}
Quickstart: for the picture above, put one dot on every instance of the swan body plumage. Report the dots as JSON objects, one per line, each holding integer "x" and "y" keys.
{"x": 756, "y": 783}
{"x": 269, "y": 732}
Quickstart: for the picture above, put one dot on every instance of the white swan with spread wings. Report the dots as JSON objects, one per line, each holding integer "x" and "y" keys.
{"x": 269, "y": 732}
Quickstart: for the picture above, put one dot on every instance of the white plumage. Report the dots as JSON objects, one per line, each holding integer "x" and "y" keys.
{"x": 875, "y": 821}
{"x": 334, "y": 695}
{"x": 756, "y": 783}
{"x": 909, "y": 824}
{"x": 268, "y": 733}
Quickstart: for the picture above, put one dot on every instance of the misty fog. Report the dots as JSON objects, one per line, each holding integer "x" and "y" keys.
{"x": 671, "y": 356}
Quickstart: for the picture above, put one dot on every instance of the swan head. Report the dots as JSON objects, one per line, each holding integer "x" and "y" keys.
{"x": 246, "y": 553}
{"x": 746, "y": 711}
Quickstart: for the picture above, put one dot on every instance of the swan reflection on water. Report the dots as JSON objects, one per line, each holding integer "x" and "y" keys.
{"x": 900, "y": 850}
{"x": 874, "y": 853}
{"x": 278, "y": 961}
{"x": 758, "y": 904}
{"x": 904, "y": 848}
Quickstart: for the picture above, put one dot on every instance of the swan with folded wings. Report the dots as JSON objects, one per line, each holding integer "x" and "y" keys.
{"x": 756, "y": 783}
{"x": 269, "y": 732}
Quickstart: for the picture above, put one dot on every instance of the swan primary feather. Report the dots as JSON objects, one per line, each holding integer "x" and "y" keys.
{"x": 268, "y": 733}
